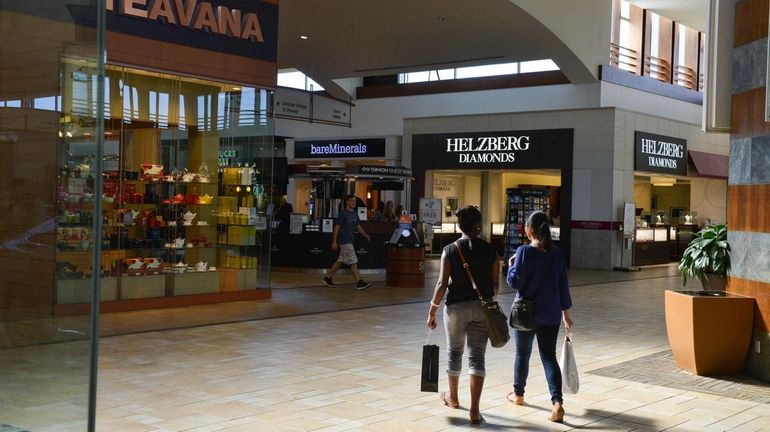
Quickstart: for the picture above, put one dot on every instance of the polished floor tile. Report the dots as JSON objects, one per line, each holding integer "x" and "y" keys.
{"x": 336, "y": 359}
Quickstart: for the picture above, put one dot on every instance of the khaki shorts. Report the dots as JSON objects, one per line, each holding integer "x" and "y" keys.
{"x": 348, "y": 254}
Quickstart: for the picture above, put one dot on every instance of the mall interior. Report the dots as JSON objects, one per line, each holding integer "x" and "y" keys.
{"x": 172, "y": 170}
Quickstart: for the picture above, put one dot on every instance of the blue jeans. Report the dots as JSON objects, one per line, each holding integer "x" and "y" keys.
{"x": 546, "y": 344}
{"x": 465, "y": 321}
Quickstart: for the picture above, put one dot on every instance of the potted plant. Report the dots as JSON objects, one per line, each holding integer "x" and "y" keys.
{"x": 707, "y": 258}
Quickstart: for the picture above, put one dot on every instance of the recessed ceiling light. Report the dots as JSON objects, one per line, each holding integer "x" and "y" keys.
{"x": 303, "y": 37}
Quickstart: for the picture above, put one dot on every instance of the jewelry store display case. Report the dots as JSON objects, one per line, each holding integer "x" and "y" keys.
{"x": 652, "y": 244}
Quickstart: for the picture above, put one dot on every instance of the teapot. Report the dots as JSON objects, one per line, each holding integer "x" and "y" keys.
{"x": 201, "y": 266}
{"x": 188, "y": 217}
{"x": 205, "y": 199}
{"x": 180, "y": 267}
{"x": 179, "y": 243}
{"x": 188, "y": 177}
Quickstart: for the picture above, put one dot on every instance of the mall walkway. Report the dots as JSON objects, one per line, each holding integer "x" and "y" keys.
{"x": 321, "y": 359}
{"x": 336, "y": 359}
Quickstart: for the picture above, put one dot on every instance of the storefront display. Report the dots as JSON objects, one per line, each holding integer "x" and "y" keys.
{"x": 176, "y": 221}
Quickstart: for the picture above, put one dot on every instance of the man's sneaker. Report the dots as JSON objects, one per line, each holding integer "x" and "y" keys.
{"x": 328, "y": 281}
{"x": 363, "y": 285}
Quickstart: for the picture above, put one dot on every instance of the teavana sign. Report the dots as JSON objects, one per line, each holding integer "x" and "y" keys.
{"x": 487, "y": 150}
{"x": 660, "y": 154}
{"x": 241, "y": 27}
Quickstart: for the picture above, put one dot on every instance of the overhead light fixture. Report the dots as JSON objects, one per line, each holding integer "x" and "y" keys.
{"x": 662, "y": 181}
{"x": 303, "y": 37}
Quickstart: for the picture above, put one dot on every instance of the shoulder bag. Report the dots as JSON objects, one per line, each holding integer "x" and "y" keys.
{"x": 494, "y": 318}
{"x": 523, "y": 311}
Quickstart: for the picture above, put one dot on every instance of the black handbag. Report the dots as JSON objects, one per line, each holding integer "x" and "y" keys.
{"x": 523, "y": 311}
{"x": 429, "y": 382}
{"x": 494, "y": 317}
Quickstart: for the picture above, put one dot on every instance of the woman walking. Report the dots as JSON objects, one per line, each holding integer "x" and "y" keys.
{"x": 537, "y": 271}
{"x": 463, "y": 314}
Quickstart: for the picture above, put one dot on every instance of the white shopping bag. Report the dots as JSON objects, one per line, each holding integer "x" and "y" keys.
{"x": 569, "y": 372}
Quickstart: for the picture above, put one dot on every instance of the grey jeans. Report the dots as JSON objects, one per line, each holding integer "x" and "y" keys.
{"x": 465, "y": 321}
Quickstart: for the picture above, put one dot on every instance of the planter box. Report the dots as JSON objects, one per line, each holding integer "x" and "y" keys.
{"x": 709, "y": 331}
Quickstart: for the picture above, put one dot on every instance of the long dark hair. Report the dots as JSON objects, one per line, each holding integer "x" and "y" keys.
{"x": 541, "y": 229}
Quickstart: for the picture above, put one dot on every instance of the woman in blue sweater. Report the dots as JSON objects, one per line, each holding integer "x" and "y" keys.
{"x": 527, "y": 268}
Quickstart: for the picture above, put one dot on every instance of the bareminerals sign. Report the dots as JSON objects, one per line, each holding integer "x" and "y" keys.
{"x": 340, "y": 149}
{"x": 660, "y": 154}
{"x": 490, "y": 150}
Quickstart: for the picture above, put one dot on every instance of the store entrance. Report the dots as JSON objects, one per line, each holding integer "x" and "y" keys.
{"x": 506, "y": 198}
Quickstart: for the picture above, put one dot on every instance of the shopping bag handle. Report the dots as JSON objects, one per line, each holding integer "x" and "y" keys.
{"x": 427, "y": 338}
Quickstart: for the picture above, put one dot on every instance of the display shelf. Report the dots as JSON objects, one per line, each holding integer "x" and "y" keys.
{"x": 520, "y": 203}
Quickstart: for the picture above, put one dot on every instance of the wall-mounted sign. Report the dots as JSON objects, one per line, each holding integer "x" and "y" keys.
{"x": 379, "y": 170}
{"x": 340, "y": 149}
{"x": 487, "y": 150}
{"x": 247, "y": 28}
{"x": 659, "y": 153}
{"x": 309, "y": 106}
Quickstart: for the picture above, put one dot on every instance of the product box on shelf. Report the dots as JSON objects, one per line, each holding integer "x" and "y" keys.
{"x": 241, "y": 235}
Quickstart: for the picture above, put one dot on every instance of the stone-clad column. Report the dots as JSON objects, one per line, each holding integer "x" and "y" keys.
{"x": 748, "y": 213}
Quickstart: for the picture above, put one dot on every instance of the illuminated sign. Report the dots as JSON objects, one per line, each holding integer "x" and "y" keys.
{"x": 659, "y": 153}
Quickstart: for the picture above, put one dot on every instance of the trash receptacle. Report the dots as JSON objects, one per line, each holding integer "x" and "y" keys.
{"x": 405, "y": 256}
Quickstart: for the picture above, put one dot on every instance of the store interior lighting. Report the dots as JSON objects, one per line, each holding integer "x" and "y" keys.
{"x": 662, "y": 181}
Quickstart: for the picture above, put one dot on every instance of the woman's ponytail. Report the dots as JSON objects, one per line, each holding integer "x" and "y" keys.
{"x": 539, "y": 222}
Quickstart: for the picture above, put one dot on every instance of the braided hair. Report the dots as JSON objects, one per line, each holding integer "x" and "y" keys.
{"x": 538, "y": 221}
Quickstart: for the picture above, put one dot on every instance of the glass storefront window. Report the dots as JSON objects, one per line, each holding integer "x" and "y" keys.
{"x": 50, "y": 68}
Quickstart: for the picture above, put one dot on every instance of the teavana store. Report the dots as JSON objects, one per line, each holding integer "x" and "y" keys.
{"x": 583, "y": 173}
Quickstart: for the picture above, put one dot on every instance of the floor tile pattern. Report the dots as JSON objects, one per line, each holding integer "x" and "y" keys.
{"x": 660, "y": 369}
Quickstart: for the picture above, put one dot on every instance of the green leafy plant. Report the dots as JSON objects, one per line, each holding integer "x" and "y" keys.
{"x": 707, "y": 253}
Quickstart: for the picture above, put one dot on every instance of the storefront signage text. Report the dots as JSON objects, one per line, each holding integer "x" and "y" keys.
{"x": 444, "y": 185}
{"x": 523, "y": 149}
{"x": 385, "y": 170}
{"x": 340, "y": 149}
{"x": 194, "y": 14}
{"x": 658, "y": 153}
{"x": 487, "y": 149}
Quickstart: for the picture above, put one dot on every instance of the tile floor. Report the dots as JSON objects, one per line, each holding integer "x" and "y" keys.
{"x": 321, "y": 359}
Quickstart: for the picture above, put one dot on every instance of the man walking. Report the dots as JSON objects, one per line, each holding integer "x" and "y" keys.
{"x": 345, "y": 226}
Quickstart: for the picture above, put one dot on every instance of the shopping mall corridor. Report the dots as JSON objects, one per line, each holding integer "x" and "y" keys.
{"x": 336, "y": 359}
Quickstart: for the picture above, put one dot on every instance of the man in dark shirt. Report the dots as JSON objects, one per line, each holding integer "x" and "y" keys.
{"x": 345, "y": 226}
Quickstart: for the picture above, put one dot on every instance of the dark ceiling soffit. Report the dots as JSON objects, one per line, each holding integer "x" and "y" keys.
{"x": 463, "y": 85}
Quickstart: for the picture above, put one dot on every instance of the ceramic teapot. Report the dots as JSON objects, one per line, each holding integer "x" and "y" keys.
{"x": 188, "y": 217}
{"x": 188, "y": 177}
{"x": 201, "y": 266}
{"x": 180, "y": 267}
{"x": 152, "y": 263}
{"x": 179, "y": 242}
